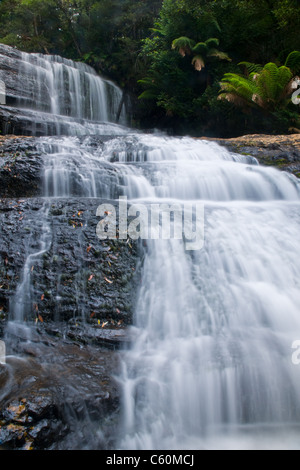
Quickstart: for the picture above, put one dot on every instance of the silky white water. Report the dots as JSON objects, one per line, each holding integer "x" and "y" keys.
{"x": 211, "y": 363}
{"x": 211, "y": 366}
{"x": 65, "y": 88}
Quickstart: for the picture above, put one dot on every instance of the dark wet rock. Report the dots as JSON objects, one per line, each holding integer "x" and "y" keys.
{"x": 20, "y": 168}
{"x": 77, "y": 275}
{"x": 53, "y": 388}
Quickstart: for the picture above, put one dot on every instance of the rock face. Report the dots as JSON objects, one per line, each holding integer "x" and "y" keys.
{"x": 78, "y": 275}
{"x": 77, "y": 298}
{"x": 56, "y": 391}
{"x": 20, "y": 168}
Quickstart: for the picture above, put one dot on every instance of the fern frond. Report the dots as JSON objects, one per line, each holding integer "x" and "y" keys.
{"x": 241, "y": 87}
{"x": 272, "y": 81}
{"x": 252, "y": 68}
{"x": 212, "y": 43}
{"x": 219, "y": 54}
{"x": 293, "y": 62}
{"x": 200, "y": 48}
{"x": 148, "y": 95}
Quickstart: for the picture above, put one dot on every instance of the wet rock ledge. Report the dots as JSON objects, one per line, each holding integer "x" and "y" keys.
{"x": 280, "y": 151}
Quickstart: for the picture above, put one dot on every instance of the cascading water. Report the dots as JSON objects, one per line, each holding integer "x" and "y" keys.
{"x": 50, "y": 95}
{"x": 210, "y": 365}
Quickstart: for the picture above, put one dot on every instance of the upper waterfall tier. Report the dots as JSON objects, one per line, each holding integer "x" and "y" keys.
{"x": 58, "y": 86}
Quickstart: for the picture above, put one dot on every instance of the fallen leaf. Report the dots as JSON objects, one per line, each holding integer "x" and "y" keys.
{"x": 104, "y": 324}
{"x": 43, "y": 296}
{"x": 99, "y": 322}
{"x": 107, "y": 280}
{"x": 89, "y": 248}
{"x": 41, "y": 319}
{"x": 91, "y": 277}
{"x": 92, "y": 314}
{"x": 118, "y": 311}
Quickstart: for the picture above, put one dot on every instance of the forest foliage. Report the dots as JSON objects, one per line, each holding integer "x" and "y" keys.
{"x": 215, "y": 68}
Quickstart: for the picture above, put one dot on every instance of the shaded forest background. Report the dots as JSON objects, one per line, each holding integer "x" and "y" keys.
{"x": 213, "y": 68}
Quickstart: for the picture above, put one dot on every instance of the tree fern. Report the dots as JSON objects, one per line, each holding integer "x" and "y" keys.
{"x": 265, "y": 87}
{"x": 201, "y": 50}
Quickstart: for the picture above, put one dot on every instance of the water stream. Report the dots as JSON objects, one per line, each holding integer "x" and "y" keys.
{"x": 211, "y": 365}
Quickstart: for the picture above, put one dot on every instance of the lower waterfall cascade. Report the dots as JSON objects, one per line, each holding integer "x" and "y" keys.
{"x": 210, "y": 365}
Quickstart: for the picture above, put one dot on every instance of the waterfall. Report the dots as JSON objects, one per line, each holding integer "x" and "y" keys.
{"x": 57, "y": 96}
{"x": 210, "y": 364}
